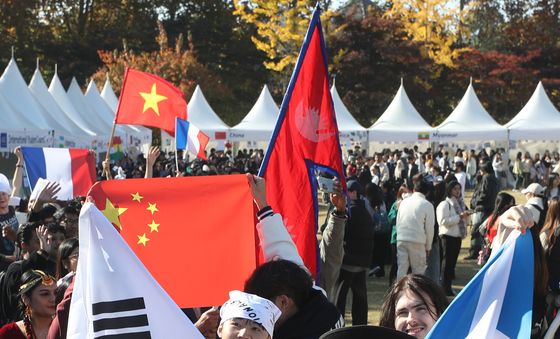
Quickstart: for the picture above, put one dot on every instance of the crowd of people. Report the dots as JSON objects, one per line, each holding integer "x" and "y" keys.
{"x": 403, "y": 209}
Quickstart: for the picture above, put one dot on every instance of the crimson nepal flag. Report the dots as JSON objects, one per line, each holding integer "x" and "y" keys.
{"x": 305, "y": 140}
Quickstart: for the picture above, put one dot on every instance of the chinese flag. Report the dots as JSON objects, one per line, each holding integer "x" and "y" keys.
{"x": 149, "y": 100}
{"x": 195, "y": 235}
{"x": 305, "y": 139}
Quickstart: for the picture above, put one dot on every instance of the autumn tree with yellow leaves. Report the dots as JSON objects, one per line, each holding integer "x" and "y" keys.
{"x": 436, "y": 24}
{"x": 281, "y": 26}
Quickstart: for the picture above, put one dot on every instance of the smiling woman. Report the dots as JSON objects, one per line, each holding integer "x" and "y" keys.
{"x": 413, "y": 305}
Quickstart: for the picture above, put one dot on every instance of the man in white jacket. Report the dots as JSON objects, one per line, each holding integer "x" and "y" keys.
{"x": 415, "y": 231}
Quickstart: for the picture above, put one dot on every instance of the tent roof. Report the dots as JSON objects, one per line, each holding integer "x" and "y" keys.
{"x": 537, "y": 120}
{"x": 470, "y": 121}
{"x": 259, "y": 123}
{"x": 109, "y": 96}
{"x": 348, "y": 127}
{"x": 10, "y": 119}
{"x": 59, "y": 94}
{"x": 203, "y": 116}
{"x": 77, "y": 98}
{"x": 15, "y": 91}
{"x": 400, "y": 121}
{"x": 39, "y": 89}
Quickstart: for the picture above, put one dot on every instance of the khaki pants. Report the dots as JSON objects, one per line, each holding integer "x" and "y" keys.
{"x": 410, "y": 254}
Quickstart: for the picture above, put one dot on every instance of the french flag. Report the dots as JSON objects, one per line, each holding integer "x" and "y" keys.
{"x": 73, "y": 169}
{"x": 498, "y": 301}
{"x": 189, "y": 137}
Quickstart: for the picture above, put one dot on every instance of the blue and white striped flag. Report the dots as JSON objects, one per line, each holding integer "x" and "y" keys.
{"x": 497, "y": 302}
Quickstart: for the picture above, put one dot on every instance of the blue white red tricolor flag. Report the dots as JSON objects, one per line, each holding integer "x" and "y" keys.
{"x": 73, "y": 169}
{"x": 305, "y": 139}
{"x": 189, "y": 137}
{"x": 498, "y": 301}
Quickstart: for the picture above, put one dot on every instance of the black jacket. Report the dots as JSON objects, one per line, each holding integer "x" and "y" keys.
{"x": 316, "y": 317}
{"x": 358, "y": 235}
{"x": 484, "y": 196}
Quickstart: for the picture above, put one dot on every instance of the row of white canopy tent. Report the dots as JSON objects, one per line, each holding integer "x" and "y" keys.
{"x": 37, "y": 115}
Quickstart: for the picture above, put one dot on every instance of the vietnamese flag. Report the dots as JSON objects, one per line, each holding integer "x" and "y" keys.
{"x": 195, "y": 235}
{"x": 149, "y": 100}
{"x": 305, "y": 139}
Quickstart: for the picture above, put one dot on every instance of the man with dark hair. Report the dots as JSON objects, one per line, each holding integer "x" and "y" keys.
{"x": 482, "y": 201}
{"x": 415, "y": 230}
{"x": 284, "y": 280}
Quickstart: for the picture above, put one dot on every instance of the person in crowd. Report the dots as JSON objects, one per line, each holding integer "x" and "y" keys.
{"x": 392, "y": 219}
{"x": 499, "y": 168}
{"x": 383, "y": 169}
{"x": 358, "y": 249}
{"x": 527, "y": 165}
{"x": 444, "y": 162}
{"x": 518, "y": 171}
{"x": 67, "y": 260}
{"x": 452, "y": 219}
{"x": 461, "y": 177}
{"x": 247, "y": 315}
{"x": 536, "y": 203}
{"x": 67, "y": 217}
{"x": 36, "y": 293}
{"x": 553, "y": 187}
{"x": 8, "y": 225}
{"x": 470, "y": 168}
{"x": 550, "y": 240}
{"x": 413, "y": 305}
{"x": 55, "y": 237}
{"x": 412, "y": 170}
{"x": 415, "y": 230}
{"x": 458, "y": 158}
{"x": 504, "y": 201}
{"x": 436, "y": 194}
{"x": 284, "y": 280}
{"x": 378, "y": 210}
{"x": 482, "y": 202}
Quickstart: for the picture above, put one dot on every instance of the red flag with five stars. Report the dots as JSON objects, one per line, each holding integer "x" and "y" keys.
{"x": 149, "y": 100}
{"x": 195, "y": 235}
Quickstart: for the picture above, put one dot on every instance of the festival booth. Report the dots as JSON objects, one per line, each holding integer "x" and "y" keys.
{"x": 59, "y": 94}
{"x": 470, "y": 125}
{"x": 400, "y": 123}
{"x": 203, "y": 116}
{"x": 351, "y": 133}
{"x": 23, "y": 119}
{"x": 68, "y": 134}
{"x": 255, "y": 130}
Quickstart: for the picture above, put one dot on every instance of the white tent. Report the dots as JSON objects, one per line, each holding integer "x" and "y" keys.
{"x": 400, "y": 122}
{"x": 203, "y": 116}
{"x": 469, "y": 122}
{"x": 69, "y": 134}
{"x": 538, "y": 120}
{"x": 59, "y": 94}
{"x": 14, "y": 89}
{"x": 259, "y": 123}
{"x": 348, "y": 128}
{"x": 89, "y": 113}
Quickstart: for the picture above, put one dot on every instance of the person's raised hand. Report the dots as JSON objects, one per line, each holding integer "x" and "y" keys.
{"x": 208, "y": 322}
{"x": 42, "y": 235}
{"x": 19, "y": 155}
{"x": 258, "y": 189}
{"x": 153, "y": 154}
{"x": 517, "y": 217}
{"x": 48, "y": 194}
{"x": 338, "y": 198}
{"x": 9, "y": 233}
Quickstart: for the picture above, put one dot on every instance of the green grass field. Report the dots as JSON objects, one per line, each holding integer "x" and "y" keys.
{"x": 377, "y": 287}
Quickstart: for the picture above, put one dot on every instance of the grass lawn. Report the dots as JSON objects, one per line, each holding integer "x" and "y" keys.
{"x": 377, "y": 287}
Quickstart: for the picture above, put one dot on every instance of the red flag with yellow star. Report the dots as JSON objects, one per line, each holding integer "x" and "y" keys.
{"x": 149, "y": 100}
{"x": 195, "y": 235}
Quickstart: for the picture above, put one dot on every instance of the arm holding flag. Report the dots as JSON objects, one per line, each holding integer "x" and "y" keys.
{"x": 18, "y": 173}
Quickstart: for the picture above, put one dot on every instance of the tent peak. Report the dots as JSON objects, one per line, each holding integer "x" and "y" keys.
{"x": 55, "y": 69}
{"x": 12, "y": 52}
{"x": 37, "y": 63}
{"x": 401, "y": 81}
{"x": 470, "y": 81}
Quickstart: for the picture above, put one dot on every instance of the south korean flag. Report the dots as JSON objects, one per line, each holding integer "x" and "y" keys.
{"x": 114, "y": 295}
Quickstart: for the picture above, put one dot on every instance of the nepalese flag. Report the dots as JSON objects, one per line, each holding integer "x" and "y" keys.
{"x": 498, "y": 301}
{"x": 189, "y": 137}
{"x": 305, "y": 140}
{"x": 73, "y": 169}
{"x": 114, "y": 295}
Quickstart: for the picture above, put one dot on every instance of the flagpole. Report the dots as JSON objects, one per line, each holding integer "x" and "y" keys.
{"x": 110, "y": 144}
{"x": 176, "y": 160}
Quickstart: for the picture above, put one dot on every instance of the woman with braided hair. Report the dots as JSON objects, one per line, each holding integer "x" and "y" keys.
{"x": 37, "y": 307}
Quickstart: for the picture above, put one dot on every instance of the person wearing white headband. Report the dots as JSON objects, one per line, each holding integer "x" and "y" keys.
{"x": 246, "y": 315}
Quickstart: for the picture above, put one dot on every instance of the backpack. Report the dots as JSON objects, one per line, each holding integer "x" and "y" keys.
{"x": 381, "y": 221}
{"x": 542, "y": 217}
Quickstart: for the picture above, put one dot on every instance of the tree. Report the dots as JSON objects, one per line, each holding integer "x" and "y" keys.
{"x": 433, "y": 23}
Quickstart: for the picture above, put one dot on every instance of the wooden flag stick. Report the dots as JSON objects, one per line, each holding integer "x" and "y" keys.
{"x": 109, "y": 145}
{"x": 176, "y": 160}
